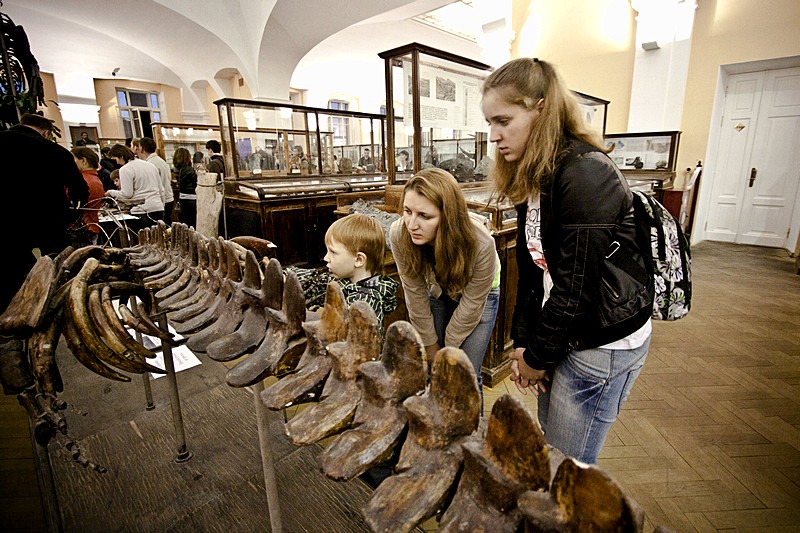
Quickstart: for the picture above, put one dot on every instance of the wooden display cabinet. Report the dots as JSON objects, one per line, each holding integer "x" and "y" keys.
{"x": 281, "y": 183}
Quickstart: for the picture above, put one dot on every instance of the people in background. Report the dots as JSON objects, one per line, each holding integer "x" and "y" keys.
{"x": 136, "y": 147}
{"x": 366, "y": 162}
{"x": 581, "y": 325}
{"x": 216, "y": 163}
{"x": 298, "y": 161}
{"x": 107, "y": 166}
{"x": 37, "y": 213}
{"x": 448, "y": 265}
{"x": 140, "y": 186}
{"x": 402, "y": 160}
{"x": 147, "y": 151}
{"x": 356, "y": 246}
{"x": 187, "y": 183}
{"x": 432, "y": 157}
{"x": 86, "y": 230}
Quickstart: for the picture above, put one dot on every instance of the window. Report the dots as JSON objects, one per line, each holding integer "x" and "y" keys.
{"x": 137, "y": 111}
{"x": 340, "y": 126}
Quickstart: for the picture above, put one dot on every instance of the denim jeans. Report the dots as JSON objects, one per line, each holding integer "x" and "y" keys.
{"x": 477, "y": 342}
{"x": 587, "y": 393}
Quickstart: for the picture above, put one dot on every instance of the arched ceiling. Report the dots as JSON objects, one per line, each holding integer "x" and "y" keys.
{"x": 187, "y": 43}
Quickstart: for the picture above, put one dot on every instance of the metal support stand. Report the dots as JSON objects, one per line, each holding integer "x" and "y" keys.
{"x": 174, "y": 398}
{"x": 262, "y": 419}
{"x": 148, "y": 392}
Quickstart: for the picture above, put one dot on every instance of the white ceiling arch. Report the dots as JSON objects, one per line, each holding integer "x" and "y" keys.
{"x": 182, "y": 42}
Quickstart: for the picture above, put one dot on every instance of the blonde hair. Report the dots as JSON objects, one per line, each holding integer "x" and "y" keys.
{"x": 524, "y": 82}
{"x": 360, "y": 233}
{"x": 455, "y": 245}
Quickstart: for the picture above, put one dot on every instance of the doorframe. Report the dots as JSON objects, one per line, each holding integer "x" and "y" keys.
{"x": 704, "y": 200}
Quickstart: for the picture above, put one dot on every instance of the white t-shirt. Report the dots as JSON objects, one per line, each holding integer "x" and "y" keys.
{"x": 533, "y": 237}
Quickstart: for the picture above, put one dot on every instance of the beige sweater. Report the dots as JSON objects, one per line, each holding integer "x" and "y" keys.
{"x": 471, "y": 300}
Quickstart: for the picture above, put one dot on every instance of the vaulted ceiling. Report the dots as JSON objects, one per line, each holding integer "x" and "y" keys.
{"x": 191, "y": 43}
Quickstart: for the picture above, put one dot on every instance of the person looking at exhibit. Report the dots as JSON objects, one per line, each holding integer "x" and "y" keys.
{"x": 216, "y": 163}
{"x": 581, "y": 325}
{"x": 147, "y": 152}
{"x": 38, "y": 214}
{"x": 85, "y": 231}
{"x": 187, "y": 185}
{"x": 366, "y": 162}
{"x": 139, "y": 186}
{"x": 448, "y": 266}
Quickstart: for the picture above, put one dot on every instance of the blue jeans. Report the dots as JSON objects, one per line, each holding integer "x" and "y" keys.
{"x": 587, "y": 393}
{"x": 477, "y": 342}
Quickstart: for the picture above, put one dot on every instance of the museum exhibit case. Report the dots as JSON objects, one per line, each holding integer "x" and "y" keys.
{"x": 285, "y": 166}
{"x": 646, "y": 159}
{"x": 433, "y": 113}
{"x": 171, "y": 136}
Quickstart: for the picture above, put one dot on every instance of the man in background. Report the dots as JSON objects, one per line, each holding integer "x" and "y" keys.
{"x": 147, "y": 151}
{"x": 216, "y": 164}
{"x": 37, "y": 211}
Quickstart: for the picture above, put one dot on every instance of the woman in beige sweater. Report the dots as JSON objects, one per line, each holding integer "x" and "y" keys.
{"x": 448, "y": 265}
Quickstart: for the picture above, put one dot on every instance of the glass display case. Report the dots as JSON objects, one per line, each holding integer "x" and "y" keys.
{"x": 171, "y": 136}
{"x": 647, "y": 159}
{"x": 433, "y": 113}
{"x": 262, "y": 139}
{"x": 285, "y": 166}
{"x": 594, "y": 111}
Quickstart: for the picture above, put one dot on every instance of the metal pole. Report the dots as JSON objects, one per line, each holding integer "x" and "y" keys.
{"x": 148, "y": 391}
{"x": 270, "y": 481}
{"x": 174, "y": 398}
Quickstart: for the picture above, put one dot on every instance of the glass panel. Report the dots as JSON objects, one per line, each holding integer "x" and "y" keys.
{"x": 156, "y": 116}
{"x": 452, "y": 134}
{"x": 122, "y": 98}
{"x": 154, "y": 100}
{"x": 126, "y": 125}
{"x": 138, "y": 99}
{"x": 125, "y": 114}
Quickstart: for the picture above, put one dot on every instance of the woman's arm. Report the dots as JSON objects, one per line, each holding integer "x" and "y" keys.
{"x": 415, "y": 291}
{"x": 473, "y": 299}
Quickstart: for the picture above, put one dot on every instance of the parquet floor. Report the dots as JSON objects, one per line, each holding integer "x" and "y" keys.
{"x": 710, "y": 437}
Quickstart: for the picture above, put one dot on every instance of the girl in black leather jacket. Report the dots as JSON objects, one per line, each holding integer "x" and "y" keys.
{"x": 581, "y": 324}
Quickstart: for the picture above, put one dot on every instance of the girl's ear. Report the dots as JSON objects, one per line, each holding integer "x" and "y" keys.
{"x": 540, "y": 105}
{"x": 360, "y": 259}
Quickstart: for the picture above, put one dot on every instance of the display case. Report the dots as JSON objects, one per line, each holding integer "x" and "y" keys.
{"x": 285, "y": 166}
{"x": 433, "y": 112}
{"x": 594, "y": 111}
{"x": 171, "y": 136}
{"x": 647, "y": 159}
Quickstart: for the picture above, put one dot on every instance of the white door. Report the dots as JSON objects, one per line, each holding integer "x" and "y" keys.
{"x": 758, "y": 164}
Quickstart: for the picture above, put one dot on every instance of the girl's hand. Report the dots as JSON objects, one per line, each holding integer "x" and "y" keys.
{"x": 525, "y": 377}
{"x": 430, "y": 352}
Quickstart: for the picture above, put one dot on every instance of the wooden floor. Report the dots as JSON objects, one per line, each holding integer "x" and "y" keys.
{"x": 710, "y": 437}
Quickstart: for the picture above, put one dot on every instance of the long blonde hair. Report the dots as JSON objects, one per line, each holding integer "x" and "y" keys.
{"x": 455, "y": 245}
{"x": 524, "y": 82}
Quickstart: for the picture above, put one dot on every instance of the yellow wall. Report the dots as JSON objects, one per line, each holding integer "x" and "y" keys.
{"x": 106, "y": 94}
{"x": 729, "y": 32}
{"x": 591, "y": 43}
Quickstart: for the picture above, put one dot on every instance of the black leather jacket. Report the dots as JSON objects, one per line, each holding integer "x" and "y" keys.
{"x": 585, "y": 207}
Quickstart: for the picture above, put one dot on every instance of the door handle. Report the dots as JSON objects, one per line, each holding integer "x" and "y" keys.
{"x": 753, "y": 172}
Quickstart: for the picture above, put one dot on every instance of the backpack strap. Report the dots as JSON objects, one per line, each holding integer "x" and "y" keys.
{"x": 623, "y": 259}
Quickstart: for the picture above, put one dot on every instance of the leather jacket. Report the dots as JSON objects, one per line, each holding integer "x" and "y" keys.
{"x": 586, "y": 207}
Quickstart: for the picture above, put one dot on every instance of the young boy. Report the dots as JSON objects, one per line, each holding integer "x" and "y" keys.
{"x": 356, "y": 246}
